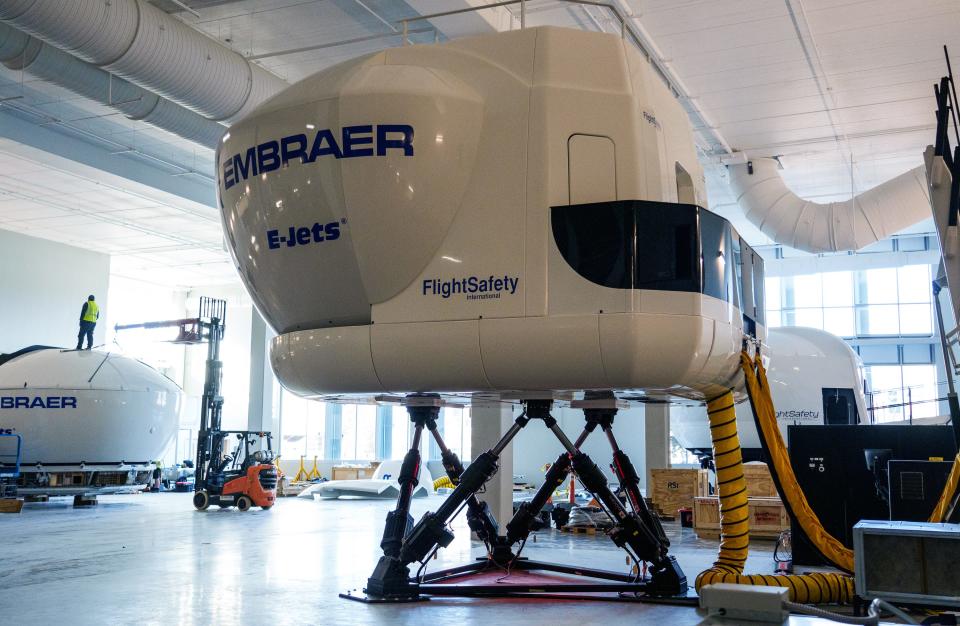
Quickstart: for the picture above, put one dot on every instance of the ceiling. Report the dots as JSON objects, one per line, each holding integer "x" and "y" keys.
{"x": 840, "y": 90}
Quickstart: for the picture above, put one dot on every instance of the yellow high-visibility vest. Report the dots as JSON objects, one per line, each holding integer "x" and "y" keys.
{"x": 92, "y": 311}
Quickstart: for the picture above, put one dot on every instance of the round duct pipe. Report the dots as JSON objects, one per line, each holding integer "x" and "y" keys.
{"x": 20, "y": 51}
{"x": 137, "y": 41}
{"x": 852, "y": 224}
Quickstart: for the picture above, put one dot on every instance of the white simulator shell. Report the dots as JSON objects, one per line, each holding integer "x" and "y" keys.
{"x": 808, "y": 368}
{"x": 517, "y": 214}
{"x": 87, "y": 406}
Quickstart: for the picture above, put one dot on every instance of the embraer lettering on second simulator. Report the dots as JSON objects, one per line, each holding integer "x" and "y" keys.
{"x": 355, "y": 141}
{"x": 38, "y": 402}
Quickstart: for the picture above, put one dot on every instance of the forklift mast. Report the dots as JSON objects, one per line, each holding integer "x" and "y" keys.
{"x": 210, "y": 325}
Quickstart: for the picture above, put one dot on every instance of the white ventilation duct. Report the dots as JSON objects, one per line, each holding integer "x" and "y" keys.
{"x": 138, "y": 41}
{"x": 838, "y": 226}
{"x": 19, "y": 51}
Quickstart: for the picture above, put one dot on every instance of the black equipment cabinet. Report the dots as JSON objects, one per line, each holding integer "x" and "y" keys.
{"x": 830, "y": 463}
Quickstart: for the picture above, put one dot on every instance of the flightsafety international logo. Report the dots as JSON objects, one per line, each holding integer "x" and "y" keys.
{"x": 473, "y": 287}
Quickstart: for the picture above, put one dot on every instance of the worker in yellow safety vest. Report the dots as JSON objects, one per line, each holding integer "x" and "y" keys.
{"x": 88, "y": 321}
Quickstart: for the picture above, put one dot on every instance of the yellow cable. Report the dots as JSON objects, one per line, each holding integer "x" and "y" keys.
{"x": 940, "y": 511}
{"x": 443, "y": 481}
{"x": 766, "y": 417}
{"x": 816, "y": 588}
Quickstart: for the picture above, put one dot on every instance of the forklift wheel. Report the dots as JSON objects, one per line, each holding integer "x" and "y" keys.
{"x": 201, "y": 500}
{"x": 267, "y": 508}
{"x": 244, "y": 503}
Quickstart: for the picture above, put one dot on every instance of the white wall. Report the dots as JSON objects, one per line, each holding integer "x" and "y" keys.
{"x": 536, "y": 446}
{"x": 43, "y": 285}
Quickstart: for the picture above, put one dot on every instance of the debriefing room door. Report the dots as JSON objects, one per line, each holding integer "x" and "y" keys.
{"x": 592, "y": 169}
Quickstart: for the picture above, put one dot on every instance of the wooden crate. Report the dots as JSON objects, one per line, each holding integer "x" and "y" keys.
{"x": 347, "y": 472}
{"x": 672, "y": 489}
{"x": 10, "y": 505}
{"x": 759, "y": 481}
{"x": 768, "y": 517}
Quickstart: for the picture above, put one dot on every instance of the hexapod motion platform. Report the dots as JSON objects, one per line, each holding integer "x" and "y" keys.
{"x": 636, "y": 529}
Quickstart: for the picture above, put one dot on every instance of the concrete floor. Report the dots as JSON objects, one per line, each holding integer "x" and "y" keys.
{"x": 152, "y": 559}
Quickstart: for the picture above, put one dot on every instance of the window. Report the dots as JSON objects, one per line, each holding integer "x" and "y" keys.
{"x": 901, "y": 392}
{"x": 881, "y": 302}
{"x": 363, "y": 432}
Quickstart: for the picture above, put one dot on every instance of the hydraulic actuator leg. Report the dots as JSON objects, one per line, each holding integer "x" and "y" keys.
{"x": 391, "y": 578}
{"x": 480, "y": 518}
{"x": 666, "y": 577}
{"x": 626, "y": 473}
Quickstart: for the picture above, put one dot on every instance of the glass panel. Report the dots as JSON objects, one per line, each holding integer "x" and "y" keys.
{"x": 807, "y": 291}
{"x": 366, "y": 432}
{"x": 840, "y": 321}
{"x": 400, "y": 433}
{"x": 914, "y": 283}
{"x": 666, "y": 254}
{"x": 812, "y": 318}
{"x": 838, "y": 289}
{"x": 920, "y": 382}
{"x": 293, "y": 440}
{"x": 597, "y": 241}
{"x": 878, "y": 319}
{"x": 467, "y": 434}
{"x": 315, "y": 427}
{"x": 772, "y": 293}
{"x": 885, "y": 385}
{"x": 348, "y": 433}
{"x": 878, "y": 286}
{"x": 773, "y": 319}
{"x": 916, "y": 319}
{"x": 718, "y": 262}
{"x": 453, "y": 429}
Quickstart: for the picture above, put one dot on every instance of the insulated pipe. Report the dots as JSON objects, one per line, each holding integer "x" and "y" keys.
{"x": 138, "y": 41}
{"x": 20, "y": 51}
{"x": 838, "y": 226}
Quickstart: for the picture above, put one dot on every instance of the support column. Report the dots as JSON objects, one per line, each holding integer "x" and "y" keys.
{"x": 260, "y": 407}
{"x": 657, "y": 438}
{"x": 490, "y": 419}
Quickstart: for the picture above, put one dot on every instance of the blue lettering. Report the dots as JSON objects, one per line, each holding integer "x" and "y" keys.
{"x": 357, "y": 136}
{"x": 273, "y": 239}
{"x": 228, "y": 179}
{"x": 247, "y": 167}
{"x": 318, "y": 150}
{"x": 6, "y": 402}
{"x": 292, "y": 237}
{"x": 69, "y": 402}
{"x": 384, "y": 143}
{"x": 357, "y": 141}
{"x": 332, "y": 231}
{"x": 303, "y": 236}
{"x": 21, "y": 403}
{"x": 288, "y": 153}
{"x": 268, "y": 156}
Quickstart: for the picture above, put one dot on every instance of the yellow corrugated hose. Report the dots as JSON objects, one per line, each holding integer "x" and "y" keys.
{"x": 814, "y": 588}
{"x": 443, "y": 481}
{"x": 766, "y": 417}
{"x": 940, "y": 512}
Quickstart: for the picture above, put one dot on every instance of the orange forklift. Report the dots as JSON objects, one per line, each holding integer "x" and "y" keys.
{"x": 245, "y": 477}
